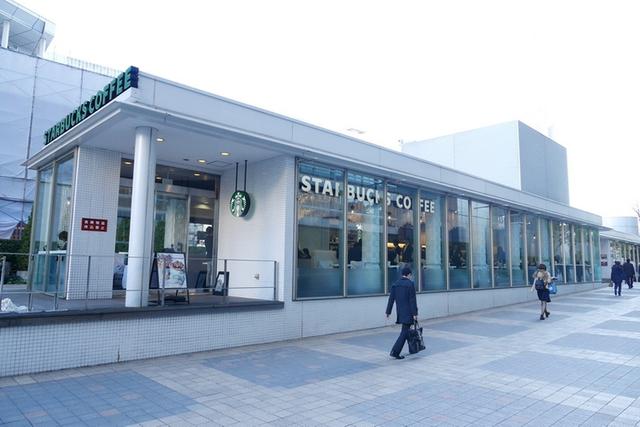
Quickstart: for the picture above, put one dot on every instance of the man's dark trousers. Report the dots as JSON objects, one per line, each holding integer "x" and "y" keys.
{"x": 404, "y": 333}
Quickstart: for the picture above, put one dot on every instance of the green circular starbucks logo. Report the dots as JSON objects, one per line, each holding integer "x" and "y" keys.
{"x": 240, "y": 203}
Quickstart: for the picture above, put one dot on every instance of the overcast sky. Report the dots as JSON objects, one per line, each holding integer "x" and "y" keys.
{"x": 398, "y": 70}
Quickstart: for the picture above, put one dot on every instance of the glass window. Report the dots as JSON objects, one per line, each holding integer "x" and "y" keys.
{"x": 320, "y": 231}
{"x": 62, "y": 206}
{"x": 365, "y": 235}
{"x": 533, "y": 259}
{"x": 545, "y": 244}
{"x": 597, "y": 257}
{"x": 41, "y": 228}
{"x": 579, "y": 245}
{"x": 458, "y": 229}
{"x": 517, "y": 249}
{"x": 124, "y": 220}
{"x": 432, "y": 242}
{"x": 588, "y": 254}
{"x": 568, "y": 249}
{"x": 500, "y": 229}
{"x": 400, "y": 231}
{"x": 481, "y": 242}
{"x": 559, "y": 251}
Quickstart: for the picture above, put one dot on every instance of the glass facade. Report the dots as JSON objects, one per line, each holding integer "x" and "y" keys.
{"x": 533, "y": 244}
{"x": 500, "y": 230}
{"x": 518, "y": 270}
{"x": 458, "y": 233}
{"x": 356, "y": 232}
{"x": 432, "y": 242}
{"x": 365, "y": 236}
{"x": 400, "y": 230}
{"x": 559, "y": 251}
{"x": 320, "y": 231}
{"x": 481, "y": 244}
{"x": 52, "y": 226}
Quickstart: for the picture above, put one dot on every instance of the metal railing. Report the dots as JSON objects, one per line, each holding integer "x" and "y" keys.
{"x": 57, "y": 281}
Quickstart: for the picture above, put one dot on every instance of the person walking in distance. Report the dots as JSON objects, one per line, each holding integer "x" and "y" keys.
{"x": 617, "y": 276}
{"x": 541, "y": 280}
{"x": 629, "y": 273}
{"x": 403, "y": 294}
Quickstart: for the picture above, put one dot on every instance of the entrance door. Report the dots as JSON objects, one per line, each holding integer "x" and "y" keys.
{"x": 201, "y": 241}
{"x": 170, "y": 229}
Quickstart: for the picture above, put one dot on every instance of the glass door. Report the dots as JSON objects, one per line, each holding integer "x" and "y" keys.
{"x": 201, "y": 242}
{"x": 170, "y": 227}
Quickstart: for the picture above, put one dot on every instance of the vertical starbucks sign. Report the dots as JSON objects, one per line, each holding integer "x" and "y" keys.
{"x": 240, "y": 202}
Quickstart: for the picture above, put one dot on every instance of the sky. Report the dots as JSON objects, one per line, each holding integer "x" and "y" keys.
{"x": 398, "y": 70}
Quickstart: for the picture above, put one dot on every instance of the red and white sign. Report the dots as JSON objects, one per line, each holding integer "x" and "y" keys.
{"x": 93, "y": 224}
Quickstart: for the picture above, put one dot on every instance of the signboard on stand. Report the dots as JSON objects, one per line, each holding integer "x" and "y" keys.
{"x": 171, "y": 271}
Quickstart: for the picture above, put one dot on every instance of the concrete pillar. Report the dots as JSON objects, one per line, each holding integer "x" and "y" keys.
{"x": 6, "y": 26}
{"x": 141, "y": 225}
{"x": 41, "y": 48}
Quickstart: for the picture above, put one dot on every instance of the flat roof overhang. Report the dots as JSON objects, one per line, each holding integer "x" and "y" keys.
{"x": 197, "y": 125}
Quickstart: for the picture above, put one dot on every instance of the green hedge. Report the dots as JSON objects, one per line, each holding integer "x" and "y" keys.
{"x": 18, "y": 262}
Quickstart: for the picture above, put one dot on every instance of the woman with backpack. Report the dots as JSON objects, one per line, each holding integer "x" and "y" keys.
{"x": 541, "y": 280}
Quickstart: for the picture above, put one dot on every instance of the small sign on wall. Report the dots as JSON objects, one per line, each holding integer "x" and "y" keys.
{"x": 93, "y": 224}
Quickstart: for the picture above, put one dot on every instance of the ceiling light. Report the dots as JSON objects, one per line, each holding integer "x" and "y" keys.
{"x": 225, "y": 153}
{"x": 202, "y": 161}
{"x": 159, "y": 139}
{"x": 127, "y": 162}
{"x": 196, "y": 174}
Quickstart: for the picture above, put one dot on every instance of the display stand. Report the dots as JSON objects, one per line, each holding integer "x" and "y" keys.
{"x": 169, "y": 273}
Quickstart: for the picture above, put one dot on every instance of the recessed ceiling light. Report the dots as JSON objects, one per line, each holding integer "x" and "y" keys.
{"x": 196, "y": 174}
{"x": 157, "y": 177}
{"x": 225, "y": 153}
{"x": 127, "y": 162}
{"x": 159, "y": 139}
{"x": 202, "y": 161}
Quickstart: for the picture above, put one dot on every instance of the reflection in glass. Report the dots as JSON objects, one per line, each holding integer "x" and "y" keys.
{"x": 579, "y": 245}
{"x": 545, "y": 245}
{"x": 568, "y": 250}
{"x": 400, "y": 231}
{"x": 458, "y": 229}
{"x": 500, "y": 228}
{"x": 588, "y": 254}
{"x": 170, "y": 232}
{"x": 432, "y": 242}
{"x": 560, "y": 249}
{"x": 41, "y": 228}
{"x": 532, "y": 245}
{"x": 320, "y": 231}
{"x": 517, "y": 250}
{"x": 597, "y": 270}
{"x": 481, "y": 242}
{"x": 365, "y": 235}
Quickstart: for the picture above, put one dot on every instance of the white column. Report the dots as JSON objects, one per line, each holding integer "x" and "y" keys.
{"x": 6, "y": 25}
{"x": 142, "y": 207}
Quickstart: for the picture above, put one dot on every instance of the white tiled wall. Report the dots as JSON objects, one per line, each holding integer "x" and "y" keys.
{"x": 95, "y": 195}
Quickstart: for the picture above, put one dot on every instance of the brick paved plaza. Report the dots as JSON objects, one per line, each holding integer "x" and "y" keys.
{"x": 494, "y": 367}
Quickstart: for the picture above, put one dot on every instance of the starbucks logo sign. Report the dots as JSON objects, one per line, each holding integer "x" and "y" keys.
{"x": 240, "y": 203}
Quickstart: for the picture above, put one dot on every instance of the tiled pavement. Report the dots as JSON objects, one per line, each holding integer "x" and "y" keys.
{"x": 500, "y": 367}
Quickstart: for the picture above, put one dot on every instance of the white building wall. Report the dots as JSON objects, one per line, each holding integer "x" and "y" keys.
{"x": 490, "y": 153}
{"x": 266, "y": 233}
{"x": 625, "y": 224}
{"x": 95, "y": 194}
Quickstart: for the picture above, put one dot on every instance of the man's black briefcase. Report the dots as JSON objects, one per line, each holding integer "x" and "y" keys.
{"x": 415, "y": 340}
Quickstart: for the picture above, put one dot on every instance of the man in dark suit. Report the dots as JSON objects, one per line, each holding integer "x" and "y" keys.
{"x": 403, "y": 293}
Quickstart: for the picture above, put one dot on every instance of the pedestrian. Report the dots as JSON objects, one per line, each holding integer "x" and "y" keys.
{"x": 541, "y": 280}
{"x": 617, "y": 276}
{"x": 629, "y": 273}
{"x": 403, "y": 293}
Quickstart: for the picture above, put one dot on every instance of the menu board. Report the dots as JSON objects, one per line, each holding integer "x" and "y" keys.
{"x": 172, "y": 270}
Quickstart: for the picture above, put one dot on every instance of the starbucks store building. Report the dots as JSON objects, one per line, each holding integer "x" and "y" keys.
{"x": 160, "y": 207}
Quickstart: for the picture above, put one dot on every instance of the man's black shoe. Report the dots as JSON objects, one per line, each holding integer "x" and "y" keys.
{"x": 396, "y": 356}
